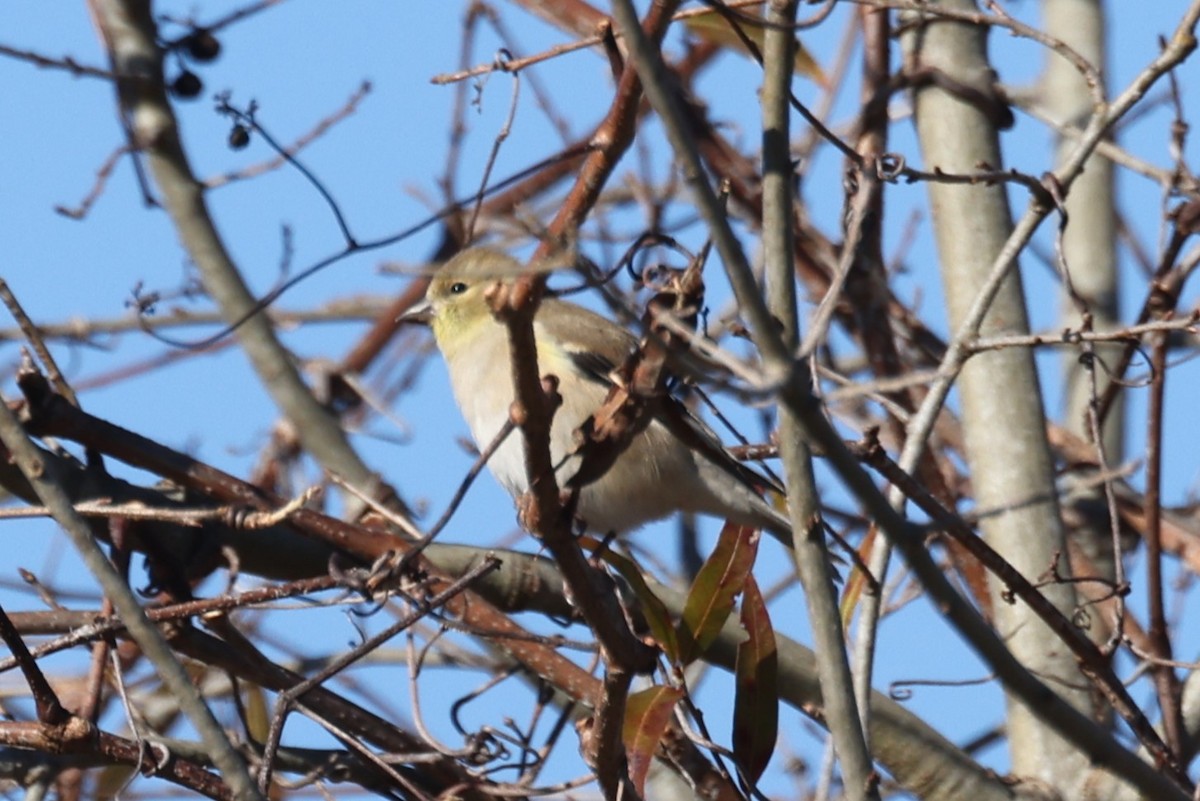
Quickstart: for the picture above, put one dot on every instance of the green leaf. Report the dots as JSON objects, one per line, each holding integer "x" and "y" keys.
{"x": 647, "y": 714}
{"x": 711, "y": 598}
{"x": 756, "y": 702}
{"x": 658, "y": 617}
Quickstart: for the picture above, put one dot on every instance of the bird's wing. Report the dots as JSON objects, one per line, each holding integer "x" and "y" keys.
{"x": 687, "y": 426}
{"x": 598, "y": 346}
{"x": 594, "y": 344}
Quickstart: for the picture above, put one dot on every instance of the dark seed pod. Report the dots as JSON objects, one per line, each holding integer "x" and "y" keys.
{"x": 201, "y": 45}
{"x": 187, "y": 85}
{"x": 239, "y": 136}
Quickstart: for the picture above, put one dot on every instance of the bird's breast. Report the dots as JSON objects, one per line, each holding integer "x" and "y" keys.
{"x": 619, "y": 500}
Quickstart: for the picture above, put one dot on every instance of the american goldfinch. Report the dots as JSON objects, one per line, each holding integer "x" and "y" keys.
{"x": 675, "y": 463}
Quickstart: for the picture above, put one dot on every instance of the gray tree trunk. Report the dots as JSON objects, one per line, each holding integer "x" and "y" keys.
{"x": 1003, "y": 420}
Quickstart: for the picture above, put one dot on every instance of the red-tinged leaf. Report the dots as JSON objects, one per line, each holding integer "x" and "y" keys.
{"x": 973, "y": 573}
{"x": 647, "y": 714}
{"x": 658, "y": 617}
{"x": 711, "y": 598}
{"x": 756, "y": 703}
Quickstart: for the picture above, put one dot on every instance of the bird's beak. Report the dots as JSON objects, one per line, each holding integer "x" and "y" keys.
{"x": 421, "y": 312}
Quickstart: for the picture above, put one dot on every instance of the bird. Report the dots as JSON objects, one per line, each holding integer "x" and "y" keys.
{"x": 675, "y": 463}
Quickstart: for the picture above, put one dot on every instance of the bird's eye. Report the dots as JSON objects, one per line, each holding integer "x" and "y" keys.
{"x": 458, "y": 287}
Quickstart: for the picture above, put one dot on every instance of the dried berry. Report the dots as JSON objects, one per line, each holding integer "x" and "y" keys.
{"x": 201, "y": 45}
{"x": 239, "y": 136}
{"x": 187, "y": 85}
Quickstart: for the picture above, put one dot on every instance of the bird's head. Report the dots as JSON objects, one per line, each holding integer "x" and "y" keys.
{"x": 457, "y": 301}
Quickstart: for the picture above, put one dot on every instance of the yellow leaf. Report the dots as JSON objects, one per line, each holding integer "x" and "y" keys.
{"x": 712, "y": 27}
{"x": 857, "y": 581}
{"x": 258, "y": 717}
